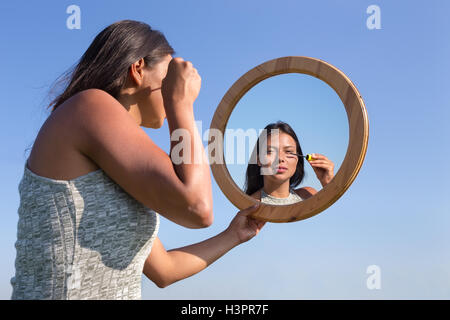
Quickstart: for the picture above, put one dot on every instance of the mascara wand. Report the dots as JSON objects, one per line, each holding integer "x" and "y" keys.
{"x": 307, "y": 157}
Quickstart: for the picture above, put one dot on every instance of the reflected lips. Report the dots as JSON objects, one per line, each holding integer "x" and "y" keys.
{"x": 281, "y": 169}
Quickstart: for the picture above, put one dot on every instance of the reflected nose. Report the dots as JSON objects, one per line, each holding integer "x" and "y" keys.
{"x": 281, "y": 158}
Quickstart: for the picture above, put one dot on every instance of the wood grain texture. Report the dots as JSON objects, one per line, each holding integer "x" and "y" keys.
{"x": 358, "y": 137}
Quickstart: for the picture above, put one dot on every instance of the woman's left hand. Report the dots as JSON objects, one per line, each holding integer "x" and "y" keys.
{"x": 242, "y": 227}
{"x": 323, "y": 168}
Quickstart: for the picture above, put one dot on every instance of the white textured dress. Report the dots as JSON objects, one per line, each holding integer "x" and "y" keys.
{"x": 84, "y": 238}
{"x": 292, "y": 198}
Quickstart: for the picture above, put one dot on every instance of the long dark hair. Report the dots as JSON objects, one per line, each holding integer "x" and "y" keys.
{"x": 106, "y": 62}
{"x": 253, "y": 178}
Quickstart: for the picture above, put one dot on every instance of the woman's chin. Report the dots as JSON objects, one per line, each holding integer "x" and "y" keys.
{"x": 279, "y": 177}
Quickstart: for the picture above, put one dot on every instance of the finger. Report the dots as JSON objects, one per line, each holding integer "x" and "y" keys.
{"x": 177, "y": 60}
{"x": 320, "y": 162}
{"x": 315, "y": 164}
{"x": 322, "y": 166}
{"x": 261, "y": 224}
{"x": 249, "y": 210}
{"x": 255, "y": 223}
{"x": 318, "y": 156}
{"x": 253, "y": 230}
{"x": 319, "y": 165}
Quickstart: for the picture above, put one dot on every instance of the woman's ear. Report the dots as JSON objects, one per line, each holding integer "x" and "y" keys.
{"x": 137, "y": 72}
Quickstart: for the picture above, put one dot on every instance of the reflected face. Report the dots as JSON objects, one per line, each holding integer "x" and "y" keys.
{"x": 282, "y": 158}
{"x": 151, "y": 105}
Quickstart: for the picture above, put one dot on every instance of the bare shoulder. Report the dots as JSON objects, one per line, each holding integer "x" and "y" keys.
{"x": 306, "y": 192}
{"x": 93, "y": 93}
{"x": 95, "y": 101}
{"x": 91, "y": 107}
{"x": 62, "y": 134}
{"x": 95, "y": 113}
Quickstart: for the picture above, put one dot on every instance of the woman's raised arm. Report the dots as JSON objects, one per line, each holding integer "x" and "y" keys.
{"x": 109, "y": 136}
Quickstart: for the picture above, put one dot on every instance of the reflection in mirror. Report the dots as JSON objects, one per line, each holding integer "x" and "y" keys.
{"x": 286, "y": 138}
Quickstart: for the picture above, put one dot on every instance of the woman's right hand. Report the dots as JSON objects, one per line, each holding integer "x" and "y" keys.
{"x": 181, "y": 84}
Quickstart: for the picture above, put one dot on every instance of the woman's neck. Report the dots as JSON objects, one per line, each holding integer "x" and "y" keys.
{"x": 277, "y": 190}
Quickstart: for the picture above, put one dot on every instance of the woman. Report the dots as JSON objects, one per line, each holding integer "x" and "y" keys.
{"x": 95, "y": 183}
{"x": 285, "y": 157}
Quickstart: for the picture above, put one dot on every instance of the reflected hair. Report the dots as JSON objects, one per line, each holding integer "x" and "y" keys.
{"x": 106, "y": 62}
{"x": 254, "y": 181}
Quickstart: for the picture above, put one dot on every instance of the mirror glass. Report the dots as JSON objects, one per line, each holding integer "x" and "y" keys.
{"x": 317, "y": 117}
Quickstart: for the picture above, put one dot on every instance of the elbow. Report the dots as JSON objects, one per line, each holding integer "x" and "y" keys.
{"x": 207, "y": 220}
{"x": 162, "y": 285}
{"x": 164, "y": 281}
{"x": 203, "y": 214}
{"x": 160, "y": 281}
{"x": 206, "y": 216}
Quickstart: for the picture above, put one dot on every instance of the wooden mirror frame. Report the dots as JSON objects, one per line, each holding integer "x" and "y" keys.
{"x": 356, "y": 151}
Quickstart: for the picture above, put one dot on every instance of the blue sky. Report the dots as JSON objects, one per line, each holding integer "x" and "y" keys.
{"x": 395, "y": 214}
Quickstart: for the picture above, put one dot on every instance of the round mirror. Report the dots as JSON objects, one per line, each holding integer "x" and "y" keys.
{"x": 292, "y": 134}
